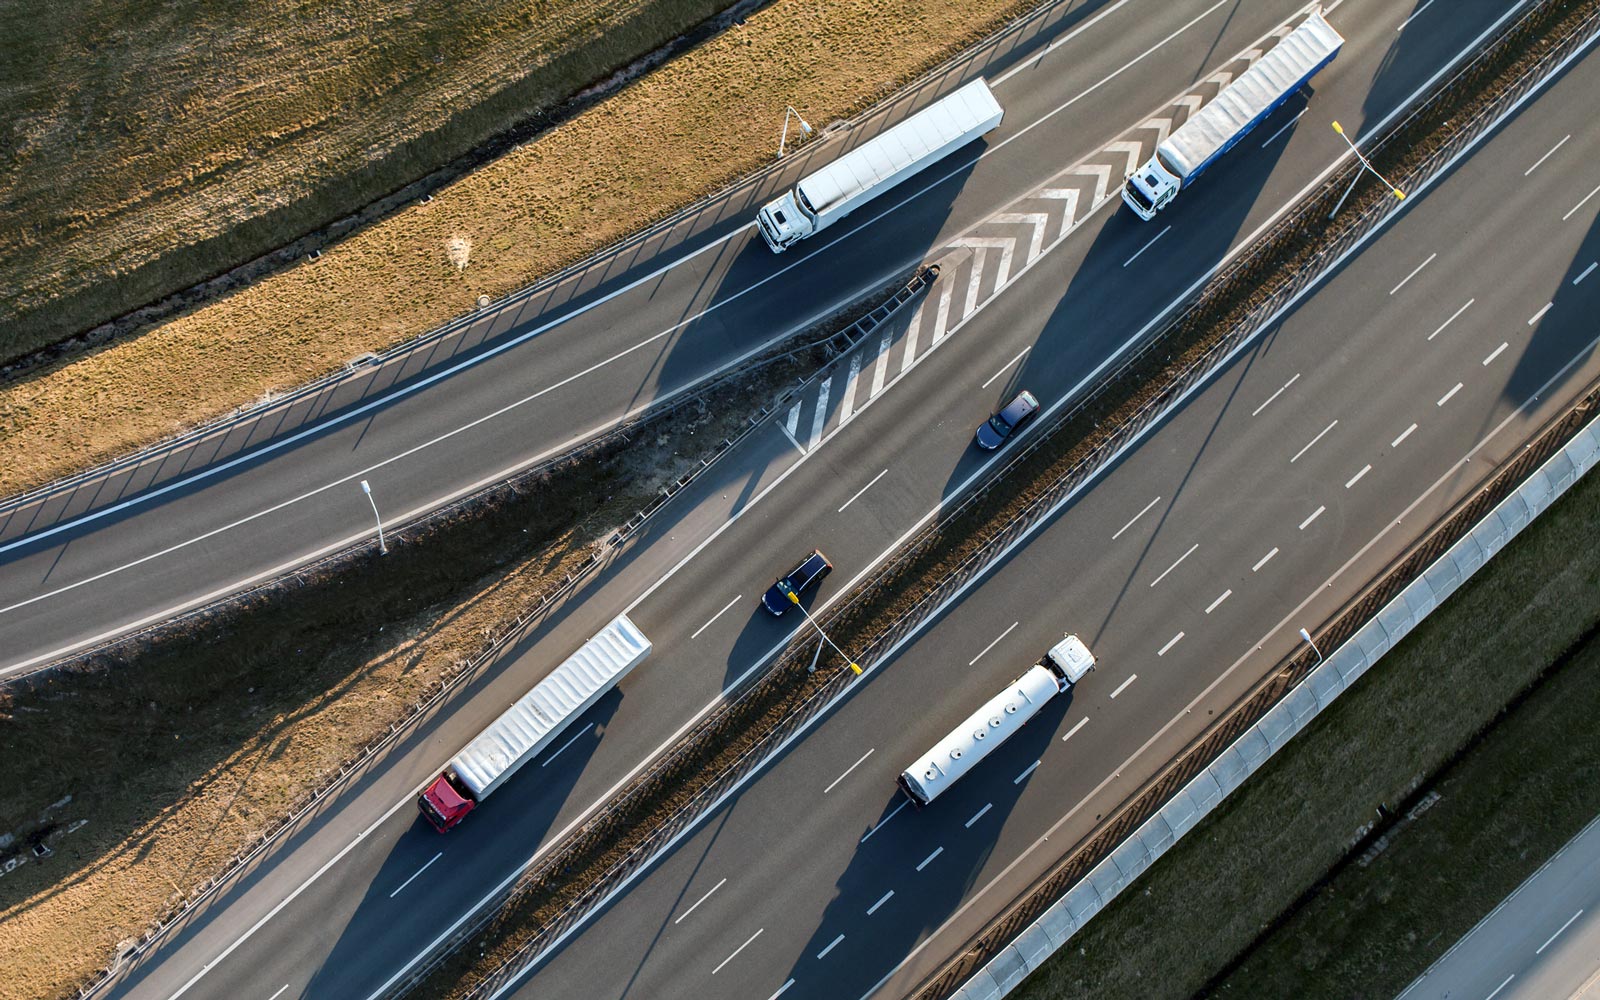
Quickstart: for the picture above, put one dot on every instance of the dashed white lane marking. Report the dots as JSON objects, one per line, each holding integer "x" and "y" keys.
{"x": 1313, "y": 441}
{"x": 278, "y": 994}
{"x": 402, "y": 885}
{"x": 929, "y": 859}
{"x": 885, "y": 822}
{"x": 862, "y": 490}
{"x": 1124, "y": 685}
{"x": 979, "y": 814}
{"x": 1414, "y": 14}
{"x": 881, "y": 900}
{"x": 1025, "y": 772}
{"x": 912, "y": 329}
{"x": 1494, "y": 354}
{"x": 821, "y": 416}
{"x": 1357, "y": 477}
{"x": 1170, "y": 643}
{"x": 1586, "y": 272}
{"x": 881, "y": 371}
{"x": 1285, "y": 128}
{"x": 1502, "y": 986}
{"x": 1546, "y": 156}
{"x": 1263, "y": 406}
{"x": 1580, "y": 204}
{"x": 1403, "y": 435}
{"x": 1220, "y": 598}
{"x": 1563, "y": 927}
{"x": 1081, "y": 723}
{"x": 1446, "y": 397}
{"x": 831, "y": 945}
{"x": 781, "y": 990}
{"x": 847, "y": 400}
{"x": 1314, "y": 515}
{"x": 714, "y": 617}
{"x": 1452, "y": 319}
{"x": 1413, "y": 273}
{"x": 991, "y": 645}
{"x": 735, "y": 954}
{"x": 847, "y": 771}
{"x": 1005, "y": 367}
{"x": 697, "y": 902}
{"x": 1174, "y": 566}
{"x": 1147, "y": 246}
{"x": 1536, "y": 317}
{"x": 576, "y": 737}
{"x": 1135, "y": 517}
{"x": 1264, "y": 560}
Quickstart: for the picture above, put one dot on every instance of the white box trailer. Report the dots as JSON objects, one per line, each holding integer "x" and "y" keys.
{"x": 533, "y": 722}
{"x": 824, "y": 197}
{"x": 997, "y": 721}
{"x": 1243, "y": 104}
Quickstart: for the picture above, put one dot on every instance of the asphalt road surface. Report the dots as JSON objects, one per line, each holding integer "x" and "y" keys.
{"x": 90, "y": 561}
{"x": 1541, "y": 943}
{"x": 362, "y": 888}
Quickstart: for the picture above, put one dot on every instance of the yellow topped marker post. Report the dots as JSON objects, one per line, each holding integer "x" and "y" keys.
{"x": 1399, "y": 194}
{"x": 795, "y": 598}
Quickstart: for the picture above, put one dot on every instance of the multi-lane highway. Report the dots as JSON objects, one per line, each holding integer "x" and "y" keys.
{"x": 355, "y": 896}
{"x": 91, "y": 561}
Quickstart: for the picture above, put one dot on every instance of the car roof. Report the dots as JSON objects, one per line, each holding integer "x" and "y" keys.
{"x": 1021, "y": 406}
{"x": 814, "y": 562}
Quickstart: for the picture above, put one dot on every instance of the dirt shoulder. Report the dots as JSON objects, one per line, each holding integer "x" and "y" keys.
{"x": 690, "y": 127}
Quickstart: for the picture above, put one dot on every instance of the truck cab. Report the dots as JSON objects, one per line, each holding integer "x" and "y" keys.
{"x": 444, "y": 804}
{"x": 783, "y": 222}
{"x": 1069, "y": 660}
{"x": 1149, "y": 189}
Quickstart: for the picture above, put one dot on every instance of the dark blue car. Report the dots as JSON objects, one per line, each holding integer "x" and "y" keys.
{"x": 813, "y": 568}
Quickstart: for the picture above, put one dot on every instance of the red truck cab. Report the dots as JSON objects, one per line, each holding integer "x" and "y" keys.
{"x": 444, "y": 803}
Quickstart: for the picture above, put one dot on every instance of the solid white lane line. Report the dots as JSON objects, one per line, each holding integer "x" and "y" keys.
{"x": 1220, "y": 598}
{"x": 1586, "y": 272}
{"x": 991, "y": 645}
{"x": 831, "y": 945}
{"x": 847, "y": 771}
{"x": 862, "y": 490}
{"x": 1426, "y": 4}
{"x": 781, "y": 990}
{"x": 402, "y": 885}
{"x": 885, "y": 821}
{"x": 881, "y": 900}
{"x": 819, "y": 418}
{"x": 1494, "y": 354}
{"x": 979, "y": 814}
{"x": 1174, "y": 566}
{"x": 1502, "y": 986}
{"x": 1285, "y": 128}
{"x": 1170, "y": 643}
{"x": 1006, "y": 366}
{"x": 1403, "y": 435}
{"x": 1313, "y": 441}
{"x": 278, "y": 994}
{"x": 575, "y": 738}
{"x": 1546, "y": 156}
{"x": 1025, "y": 772}
{"x": 1357, "y": 477}
{"x": 1147, "y": 246}
{"x": 1263, "y": 406}
{"x": 1413, "y": 273}
{"x": 1446, "y": 397}
{"x": 1135, "y": 517}
{"x": 736, "y": 951}
{"x": 1036, "y": 60}
{"x": 714, "y": 617}
{"x": 929, "y": 859}
{"x": 1124, "y": 685}
{"x": 1314, "y": 515}
{"x": 1580, "y": 204}
{"x": 1536, "y": 317}
{"x": 1452, "y": 319}
{"x": 1080, "y": 724}
{"x": 1558, "y": 932}
{"x": 697, "y": 902}
{"x": 1264, "y": 560}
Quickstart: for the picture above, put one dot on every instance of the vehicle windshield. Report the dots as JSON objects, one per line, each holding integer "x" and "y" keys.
{"x": 1137, "y": 195}
{"x": 785, "y": 587}
{"x": 998, "y": 423}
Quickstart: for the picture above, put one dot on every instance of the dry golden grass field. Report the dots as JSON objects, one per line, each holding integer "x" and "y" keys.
{"x": 693, "y": 125}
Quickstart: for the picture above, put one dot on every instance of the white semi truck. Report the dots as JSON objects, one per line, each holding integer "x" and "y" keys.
{"x": 999, "y": 719}
{"x": 533, "y": 722}
{"x": 1243, "y": 104}
{"x": 824, "y": 197}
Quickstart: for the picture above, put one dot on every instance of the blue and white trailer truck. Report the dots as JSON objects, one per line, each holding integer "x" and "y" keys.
{"x": 1242, "y": 105}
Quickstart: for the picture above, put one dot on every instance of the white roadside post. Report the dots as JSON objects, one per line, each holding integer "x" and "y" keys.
{"x": 805, "y": 127}
{"x": 1399, "y": 194}
{"x": 383, "y": 548}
